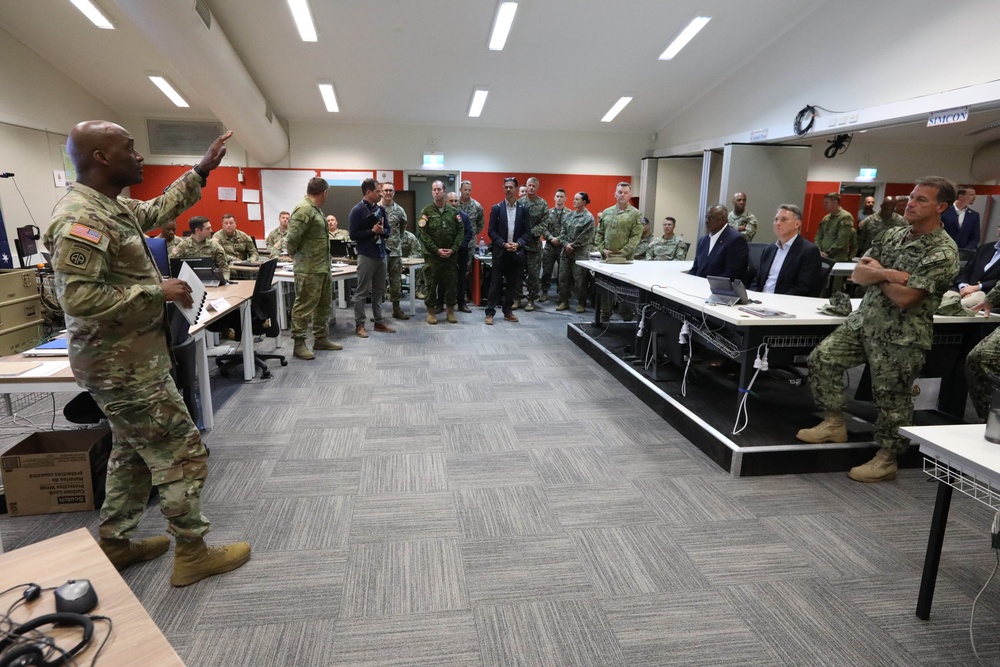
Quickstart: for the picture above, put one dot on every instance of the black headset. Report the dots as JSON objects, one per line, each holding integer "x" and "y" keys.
{"x": 14, "y": 653}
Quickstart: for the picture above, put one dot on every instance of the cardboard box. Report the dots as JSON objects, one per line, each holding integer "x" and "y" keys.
{"x": 20, "y": 311}
{"x": 17, "y": 284}
{"x": 56, "y": 471}
{"x": 20, "y": 338}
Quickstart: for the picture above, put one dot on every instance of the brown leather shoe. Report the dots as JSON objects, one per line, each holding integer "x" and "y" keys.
{"x": 510, "y": 317}
{"x": 384, "y": 328}
{"x": 464, "y": 308}
{"x": 359, "y": 330}
{"x": 489, "y": 319}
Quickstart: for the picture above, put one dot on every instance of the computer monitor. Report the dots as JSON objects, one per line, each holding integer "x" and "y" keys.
{"x": 343, "y": 249}
{"x": 158, "y": 248}
{"x": 204, "y": 268}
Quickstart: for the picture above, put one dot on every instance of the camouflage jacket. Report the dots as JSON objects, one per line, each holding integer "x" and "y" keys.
{"x": 870, "y": 228}
{"x": 619, "y": 230}
{"x": 439, "y": 230}
{"x": 538, "y": 212}
{"x": 339, "y": 235}
{"x": 674, "y": 248}
{"x": 188, "y": 247}
{"x": 836, "y": 236}
{"x": 578, "y": 231}
{"x": 308, "y": 241}
{"x": 748, "y": 220}
{"x": 108, "y": 284}
{"x": 171, "y": 244}
{"x": 410, "y": 247}
{"x": 275, "y": 241}
{"x": 239, "y": 247}
{"x": 932, "y": 262}
{"x": 644, "y": 248}
{"x": 553, "y": 227}
{"x": 396, "y": 217}
{"x": 474, "y": 210}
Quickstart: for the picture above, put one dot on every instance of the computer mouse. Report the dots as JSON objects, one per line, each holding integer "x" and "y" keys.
{"x": 76, "y": 596}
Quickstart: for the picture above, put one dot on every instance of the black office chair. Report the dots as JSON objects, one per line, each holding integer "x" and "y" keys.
{"x": 753, "y": 260}
{"x": 263, "y": 311}
{"x": 965, "y": 255}
{"x": 824, "y": 275}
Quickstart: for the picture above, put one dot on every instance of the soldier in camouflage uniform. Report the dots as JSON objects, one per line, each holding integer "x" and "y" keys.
{"x": 474, "y": 210}
{"x": 239, "y": 246}
{"x": 876, "y": 223}
{"x": 538, "y": 210}
{"x": 334, "y": 231}
{"x": 551, "y": 232}
{"x": 670, "y": 247}
{"x": 836, "y": 237}
{"x": 576, "y": 240}
{"x": 113, "y": 297}
{"x": 909, "y": 268}
{"x": 394, "y": 244}
{"x": 619, "y": 229}
{"x": 740, "y": 219}
{"x": 646, "y": 247}
{"x": 275, "y": 241}
{"x": 168, "y": 232}
{"x": 983, "y": 362}
{"x": 463, "y": 253}
{"x": 201, "y": 244}
{"x": 309, "y": 245}
{"x": 440, "y": 231}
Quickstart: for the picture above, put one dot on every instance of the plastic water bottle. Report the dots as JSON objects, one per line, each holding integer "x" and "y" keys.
{"x": 482, "y": 248}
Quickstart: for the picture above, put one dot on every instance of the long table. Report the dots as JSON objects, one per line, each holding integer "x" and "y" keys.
{"x": 237, "y": 295}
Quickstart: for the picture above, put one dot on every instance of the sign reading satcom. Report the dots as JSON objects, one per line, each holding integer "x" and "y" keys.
{"x": 948, "y": 116}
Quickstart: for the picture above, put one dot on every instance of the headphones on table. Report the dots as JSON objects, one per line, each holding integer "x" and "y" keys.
{"x": 32, "y": 653}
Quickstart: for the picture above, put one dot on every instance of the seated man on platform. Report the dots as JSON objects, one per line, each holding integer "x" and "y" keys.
{"x": 791, "y": 265}
{"x": 201, "y": 244}
{"x": 978, "y": 276}
{"x": 722, "y": 251}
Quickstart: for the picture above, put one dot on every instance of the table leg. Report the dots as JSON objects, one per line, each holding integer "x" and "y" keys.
{"x": 204, "y": 382}
{"x": 413, "y": 289}
{"x": 282, "y": 324}
{"x": 341, "y": 296}
{"x": 939, "y": 521}
{"x": 249, "y": 368}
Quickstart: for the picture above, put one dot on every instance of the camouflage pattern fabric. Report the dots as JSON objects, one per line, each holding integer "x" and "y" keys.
{"x": 275, "y": 242}
{"x": 396, "y": 217}
{"x": 673, "y": 249}
{"x": 578, "y": 231}
{"x": 552, "y": 254}
{"x": 339, "y": 235}
{"x": 836, "y": 236}
{"x": 313, "y": 302}
{"x": 644, "y": 249}
{"x": 442, "y": 229}
{"x": 619, "y": 230}
{"x": 538, "y": 211}
{"x": 239, "y": 247}
{"x": 747, "y": 219}
{"x": 208, "y": 248}
{"x": 155, "y": 444}
{"x": 983, "y": 363}
{"x": 871, "y": 227}
{"x": 307, "y": 240}
{"x": 474, "y": 210}
{"x": 171, "y": 244}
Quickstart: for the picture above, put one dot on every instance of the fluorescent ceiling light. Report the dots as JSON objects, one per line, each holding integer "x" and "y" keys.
{"x": 616, "y": 109}
{"x": 687, "y": 34}
{"x": 168, "y": 90}
{"x": 501, "y": 26}
{"x": 478, "y": 100}
{"x": 303, "y": 19}
{"x": 329, "y": 97}
{"x": 95, "y": 15}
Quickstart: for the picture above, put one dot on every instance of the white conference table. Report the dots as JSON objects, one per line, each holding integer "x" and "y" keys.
{"x": 958, "y": 457}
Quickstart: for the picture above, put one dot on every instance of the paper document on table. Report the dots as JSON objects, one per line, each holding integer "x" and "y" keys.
{"x": 45, "y": 369}
{"x": 15, "y": 368}
{"x": 188, "y": 275}
{"x": 219, "y": 305}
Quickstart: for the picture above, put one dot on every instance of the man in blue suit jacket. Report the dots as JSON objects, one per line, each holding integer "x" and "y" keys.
{"x": 793, "y": 261}
{"x": 966, "y": 233}
{"x": 509, "y": 234}
{"x": 722, "y": 251}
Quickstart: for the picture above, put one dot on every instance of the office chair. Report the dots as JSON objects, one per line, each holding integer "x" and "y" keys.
{"x": 824, "y": 274}
{"x": 686, "y": 247}
{"x": 965, "y": 255}
{"x": 756, "y": 251}
{"x": 263, "y": 309}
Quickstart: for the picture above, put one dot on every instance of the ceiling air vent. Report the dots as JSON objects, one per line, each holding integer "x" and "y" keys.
{"x": 204, "y": 13}
{"x": 181, "y": 137}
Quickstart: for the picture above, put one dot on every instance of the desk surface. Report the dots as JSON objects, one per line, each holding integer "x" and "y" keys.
{"x": 135, "y": 640}
{"x": 960, "y": 446}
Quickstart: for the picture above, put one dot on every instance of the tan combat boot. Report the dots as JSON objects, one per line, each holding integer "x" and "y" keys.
{"x": 451, "y": 315}
{"x": 326, "y": 344}
{"x": 880, "y": 469}
{"x": 123, "y": 553}
{"x": 831, "y": 429}
{"x": 431, "y": 317}
{"x": 193, "y": 561}
{"x": 397, "y": 312}
{"x": 302, "y": 351}
{"x": 562, "y": 306}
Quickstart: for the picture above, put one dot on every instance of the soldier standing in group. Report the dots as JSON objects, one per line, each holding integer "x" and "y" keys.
{"x": 113, "y": 297}
{"x": 396, "y": 217}
{"x": 201, "y": 244}
{"x": 309, "y": 245}
{"x": 551, "y": 232}
{"x": 463, "y": 253}
{"x": 474, "y": 210}
{"x": 275, "y": 241}
{"x": 906, "y": 270}
{"x": 538, "y": 210}
{"x": 619, "y": 229}
{"x": 440, "y": 231}
{"x": 577, "y": 237}
{"x": 742, "y": 220}
{"x": 239, "y": 246}
{"x": 876, "y": 223}
{"x": 836, "y": 237}
{"x": 671, "y": 247}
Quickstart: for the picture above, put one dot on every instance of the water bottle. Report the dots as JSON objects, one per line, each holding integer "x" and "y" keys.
{"x": 482, "y": 248}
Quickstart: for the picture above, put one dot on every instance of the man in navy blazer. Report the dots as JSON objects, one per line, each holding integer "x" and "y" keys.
{"x": 722, "y": 251}
{"x": 961, "y": 222}
{"x": 509, "y": 234}
{"x": 978, "y": 276}
{"x": 792, "y": 264}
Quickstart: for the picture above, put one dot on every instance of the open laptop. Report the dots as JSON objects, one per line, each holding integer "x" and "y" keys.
{"x": 345, "y": 249}
{"x": 204, "y": 268}
{"x": 726, "y": 292}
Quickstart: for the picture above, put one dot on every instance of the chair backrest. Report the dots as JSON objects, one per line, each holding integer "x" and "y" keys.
{"x": 753, "y": 259}
{"x": 265, "y": 276}
{"x": 158, "y": 248}
{"x": 264, "y": 307}
{"x": 685, "y": 246}
{"x": 824, "y": 274}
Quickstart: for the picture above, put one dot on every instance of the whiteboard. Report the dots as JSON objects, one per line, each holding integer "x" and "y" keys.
{"x": 281, "y": 190}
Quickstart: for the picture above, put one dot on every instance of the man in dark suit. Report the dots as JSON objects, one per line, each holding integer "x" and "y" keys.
{"x": 978, "y": 276}
{"x": 509, "y": 234}
{"x": 961, "y": 222}
{"x": 791, "y": 265}
{"x": 722, "y": 251}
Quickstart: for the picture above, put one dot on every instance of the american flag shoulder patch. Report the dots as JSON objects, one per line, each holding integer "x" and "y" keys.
{"x": 86, "y": 233}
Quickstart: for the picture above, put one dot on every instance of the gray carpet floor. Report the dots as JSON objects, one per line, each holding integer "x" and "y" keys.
{"x": 466, "y": 495}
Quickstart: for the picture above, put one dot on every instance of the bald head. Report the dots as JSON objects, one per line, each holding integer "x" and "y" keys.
{"x": 104, "y": 156}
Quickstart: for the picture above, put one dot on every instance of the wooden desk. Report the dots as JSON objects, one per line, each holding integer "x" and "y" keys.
{"x": 135, "y": 639}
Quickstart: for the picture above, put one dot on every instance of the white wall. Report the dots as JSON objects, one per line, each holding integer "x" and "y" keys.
{"x": 896, "y": 163}
{"x": 678, "y": 186}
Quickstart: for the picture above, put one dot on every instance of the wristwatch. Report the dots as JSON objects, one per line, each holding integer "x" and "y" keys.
{"x": 202, "y": 174}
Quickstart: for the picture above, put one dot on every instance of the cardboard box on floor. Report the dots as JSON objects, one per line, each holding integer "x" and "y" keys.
{"x": 56, "y": 471}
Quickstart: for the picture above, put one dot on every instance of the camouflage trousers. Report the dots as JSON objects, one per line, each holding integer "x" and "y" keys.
{"x": 394, "y": 267}
{"x": 572, "y": 278}
{"x": 532, "y": 268}
{"x": 313, "y": 301}
{"x": 550, "y": 257}
{"x": 439, "y": 274}
{"x": 155, "y": 444}
{"x": 982, "y": 362}
{"x": 894, "y": 368}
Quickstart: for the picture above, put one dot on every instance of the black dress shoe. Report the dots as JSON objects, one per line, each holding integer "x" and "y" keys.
{"x": 464, "y": 309}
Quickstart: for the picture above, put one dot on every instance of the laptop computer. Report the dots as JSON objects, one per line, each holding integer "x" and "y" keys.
{"x": 346, "y": 249}
{"x": 204, "y": 268}
{"x": 726, "y": 292}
